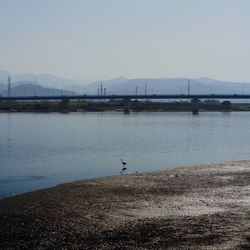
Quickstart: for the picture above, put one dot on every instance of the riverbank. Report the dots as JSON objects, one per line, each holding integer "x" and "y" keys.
{"x": 194, "y": 207}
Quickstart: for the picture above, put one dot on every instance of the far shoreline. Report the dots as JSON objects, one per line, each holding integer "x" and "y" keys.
{"x": 118, "y": 111}
{"x": 65, "y": 106}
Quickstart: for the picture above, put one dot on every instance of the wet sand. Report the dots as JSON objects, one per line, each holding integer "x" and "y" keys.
{"x": 201, "y": 207}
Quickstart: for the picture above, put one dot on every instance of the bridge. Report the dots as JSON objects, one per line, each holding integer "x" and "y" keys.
{"x": 126, "y": 98}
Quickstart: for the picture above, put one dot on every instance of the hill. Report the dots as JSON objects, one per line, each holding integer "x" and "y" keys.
{"x": 168, "y": 86}
{"x": 26, "y": 88}
{"x": 2, "y": 86}
{"x": 122, "y": 85}
{"x": 45, "y": 80}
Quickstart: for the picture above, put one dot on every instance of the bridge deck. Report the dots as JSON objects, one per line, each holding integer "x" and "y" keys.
{"x": 122, "y": 97}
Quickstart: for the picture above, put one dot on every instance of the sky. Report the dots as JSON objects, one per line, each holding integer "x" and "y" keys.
{"x": 101, "y": 39}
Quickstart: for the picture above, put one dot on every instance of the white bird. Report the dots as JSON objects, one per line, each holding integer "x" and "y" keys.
{"x": 124, "y": 166}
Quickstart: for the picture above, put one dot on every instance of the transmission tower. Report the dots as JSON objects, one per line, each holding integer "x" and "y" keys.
{"x": 9, "y": 94}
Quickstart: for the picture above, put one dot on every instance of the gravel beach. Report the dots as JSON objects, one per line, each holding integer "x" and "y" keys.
{"x": 200, "y": 207}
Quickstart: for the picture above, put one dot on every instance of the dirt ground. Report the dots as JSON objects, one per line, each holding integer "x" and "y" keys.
{"x": 202, "y": 207}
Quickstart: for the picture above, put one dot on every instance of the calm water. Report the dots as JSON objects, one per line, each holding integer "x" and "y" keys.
{"x": 42, "y": 150}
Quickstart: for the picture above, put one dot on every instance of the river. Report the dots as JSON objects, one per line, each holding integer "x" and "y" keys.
{"x": 42, "y": 150}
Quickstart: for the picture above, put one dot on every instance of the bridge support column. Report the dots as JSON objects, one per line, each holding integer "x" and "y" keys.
{"x": 64, "y": 104}
{"x": 195, "y": 106}
{"x": 226, "y": 106}
{"x": 126, "y": 109}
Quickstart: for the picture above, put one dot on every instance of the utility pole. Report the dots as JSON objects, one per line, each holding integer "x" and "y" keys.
{"x": 188, "y": 87}
{"x": 101, "y": 88}
{"x": 146, "y": 89}
{"x": 9, "y": 94}
{"x": 104, "y": 91}
{"x": 136, "y": 90}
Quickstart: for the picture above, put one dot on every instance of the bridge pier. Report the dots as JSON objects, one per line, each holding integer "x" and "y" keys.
{"x": 64, "y": 104}
{"x": 195, "y": 106}
{"x": 226, "y": 106}
{"x": 126, "y": 103}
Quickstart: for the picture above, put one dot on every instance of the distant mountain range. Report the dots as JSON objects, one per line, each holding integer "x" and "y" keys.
{"x": 2, "y": 86}
{"x": 45, "y": 80}
{"x": 31, "y": 84}
{"x": 26, "y": 88}
{"x": 168, "y": 86}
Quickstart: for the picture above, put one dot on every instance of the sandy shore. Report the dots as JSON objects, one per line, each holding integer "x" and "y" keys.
{"x": 202, "y": 207}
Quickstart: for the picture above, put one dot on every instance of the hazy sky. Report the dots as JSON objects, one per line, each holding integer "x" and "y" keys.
{"x": 97, "y": 39}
